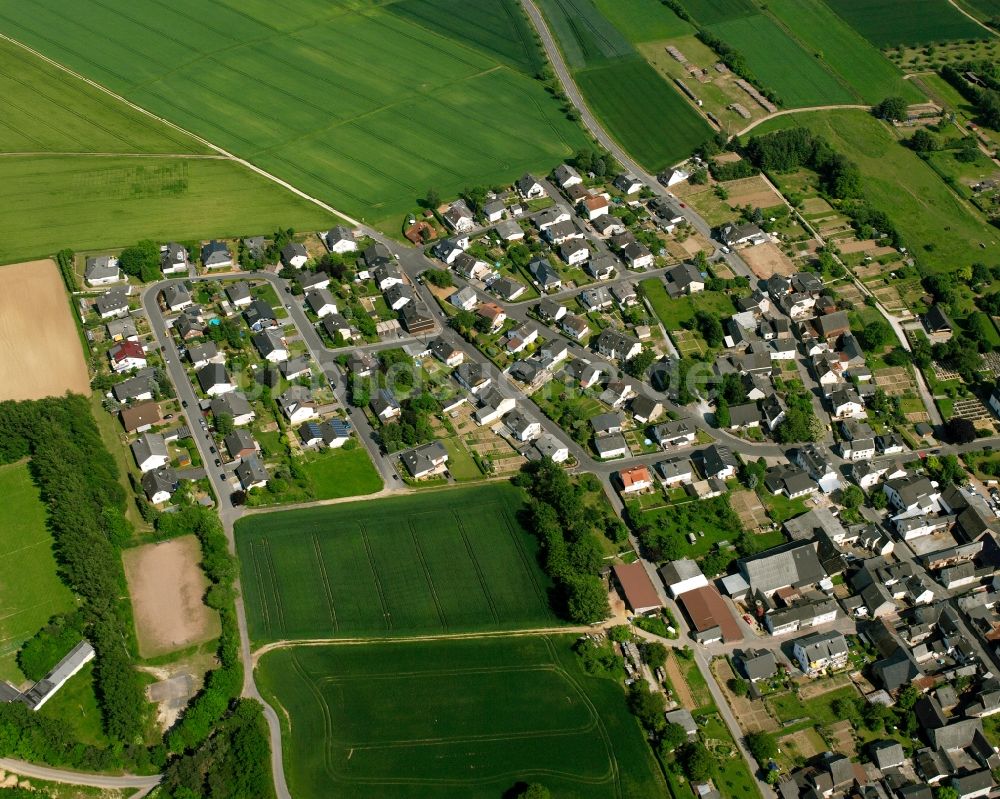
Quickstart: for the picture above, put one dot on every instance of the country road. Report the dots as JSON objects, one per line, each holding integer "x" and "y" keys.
{"x": 786, "y": 111}
{"x": 67, "y": 777}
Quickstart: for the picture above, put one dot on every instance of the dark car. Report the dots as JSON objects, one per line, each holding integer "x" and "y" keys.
{"x": 184, "y": 403}
{"x": 222, "y": 476}
{"x": 212, "y": 450}
{"x": 218, "y": 462}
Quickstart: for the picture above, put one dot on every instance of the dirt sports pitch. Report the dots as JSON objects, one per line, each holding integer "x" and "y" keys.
{"x": 42, "y": 356}
{"x": 166, "y": 585}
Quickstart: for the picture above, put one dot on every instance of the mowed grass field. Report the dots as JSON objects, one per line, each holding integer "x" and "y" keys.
{"x": 360, "y": 105}
{"x": 441, "y": 561}
{"x": 843, "y": 50}
{"x": 886, "y": 23}
{"x": 30, "y": 590}
{"x": 778, "y": 61}
{"x": 895, "y": 180}
{"x": 456, "y": 719}
{"x": 644, "y": 113}
{"x": 343, "y": 473}
{"x": 86, "y": 202}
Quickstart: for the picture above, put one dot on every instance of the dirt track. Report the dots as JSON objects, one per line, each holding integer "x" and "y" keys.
{"x": 42, "y": 356}
{"x": 166, "y": 585}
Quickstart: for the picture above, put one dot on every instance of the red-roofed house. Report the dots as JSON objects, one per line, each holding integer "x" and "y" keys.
{"x": 492, "y": 313}
{"x": 127, "y": 355}
{"x": 596, "y": 206}
{"x": 636, "y": 588}
{"x": 635, "y": 480}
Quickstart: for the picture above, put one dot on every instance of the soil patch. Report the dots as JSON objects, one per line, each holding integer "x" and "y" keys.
{"x": 766, "y": 260}
{"x": 166, "y": 585}
{"x": 681, "y": 690}
{"x": 42, "y": 356}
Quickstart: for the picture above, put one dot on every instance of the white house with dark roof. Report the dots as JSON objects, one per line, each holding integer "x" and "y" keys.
{"x": 321, "y": 302}
{"x": 102, "y": 270}
{"x": 294, "y": 255}
{"x": 235, "y": 405}
{"x": 238, "y": 294}
{"x": 174, "y": 259}
{"x": 112, "y": 303}
{"x": 216, "y": 255}
{"x": 271, "y": 346}
{"x": 340, "y": 239}
{"x": 213, "y": 379}
{"x": 459, "y": 217}
{"x": 566, "y": 176}
{"x": 150, "y": 452}
{"x": 529, "y": 188}
{"x": 177, "y": 297}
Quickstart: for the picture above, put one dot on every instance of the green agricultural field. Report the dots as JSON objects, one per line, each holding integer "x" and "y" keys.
{"x": 86, "y": 202}
{"x": 886, "y": 23}
{"x": 446, "y": 560}
{"x": 942, "y": 230}
{"x": 30, "y": 591}
{"x": 650, "y": 120}
{"x": 710, "y": 12}
{"x": 870, "y": 74}
{"x": 585, "y": 35}
{"x": 342, "y": 473}
{"x": 797, "y": 77}
{"x": 44, "y": 110}
{"x": 362, "y": 106}
{"x": 498, "y": 27}
{"x": 986, "y": 9}
{"x": 459, "y": 719}
{"x": 644, "y": 20}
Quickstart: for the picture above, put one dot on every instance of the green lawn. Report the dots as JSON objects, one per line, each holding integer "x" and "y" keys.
{"x": 443, "y": 560}
{"x": 887, "y": 23}
{"x": 788, "y": 706}
{"x": 460, "y": 461}
{"x": 895, "y": 180}
{"x": 781, "y": 508}
{"x": 780, "y": 64}
{"x": 674, "y": 312}
{"x": 843, "y": 50}
{"x": 354, "y": 103}
{"x": 76, "y": 707}
{"x": 713, "y": 517}
{"x": 730, "y": 772}
{"x": 342, "y": 473}
{"x": 30, "y": 590}
{"x": 87, "y": 202}
{"x": 503, "y": 710}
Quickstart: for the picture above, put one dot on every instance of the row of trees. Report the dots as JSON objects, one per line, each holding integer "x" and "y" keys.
{"x": 572, "y": 554}
{"x": 78, "y": 481}
{"x": 785, "y": 150}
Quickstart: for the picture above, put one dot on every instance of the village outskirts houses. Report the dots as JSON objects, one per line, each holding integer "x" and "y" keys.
{"x": 102, "y": 270}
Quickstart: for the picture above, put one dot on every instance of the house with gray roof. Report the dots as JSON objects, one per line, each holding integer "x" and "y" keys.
{"x": 216, "y": 255}
{"x": 102, "y": 270}
{"x": 425, "y": 460}
{"x": 251, "y": 473}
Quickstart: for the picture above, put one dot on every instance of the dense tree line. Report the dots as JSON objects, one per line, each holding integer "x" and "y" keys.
{"x": 78, "y": 482}
{"x": 572, "y": 554}
{"x": 986, "y": 99}
{"x": 790, "y": 149}
{"x": 233, "y": 763}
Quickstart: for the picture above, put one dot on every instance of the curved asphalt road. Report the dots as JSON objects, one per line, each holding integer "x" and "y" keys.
{"x": 67, "y": 777}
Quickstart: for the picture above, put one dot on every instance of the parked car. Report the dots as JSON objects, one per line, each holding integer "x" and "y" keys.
{"x": 218, "y": 462}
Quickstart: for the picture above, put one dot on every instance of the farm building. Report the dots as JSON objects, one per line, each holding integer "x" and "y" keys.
{"x": 636, "y": 588}
{"x": 43, "y": 690}
{"x": 710, "y": 617}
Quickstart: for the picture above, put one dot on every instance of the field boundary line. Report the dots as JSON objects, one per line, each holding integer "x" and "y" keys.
{"x": 311, "y": 686}
{"x": 327, "y": 590}
{"x": 427, "y": 574}
{"x": 60, "y": 154}
{"x": 476, "y": 567}
{"x": 292, "y": 643}
{"x": 242, "y": 161}
{"x": 378, "y": 582}
{"x": 803, "y": 110}
{"x": 979, "y": 22}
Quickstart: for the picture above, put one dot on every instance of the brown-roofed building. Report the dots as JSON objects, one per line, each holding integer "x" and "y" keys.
{"x": 637, "y": 589}
{"x": 710, "y": 615}
{"x": 140, "y": 418}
